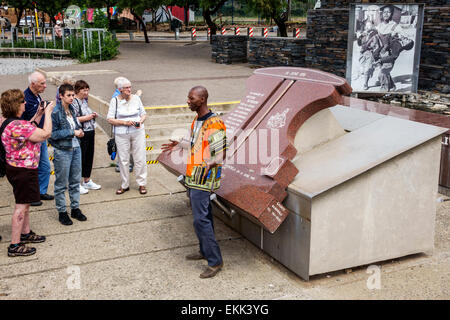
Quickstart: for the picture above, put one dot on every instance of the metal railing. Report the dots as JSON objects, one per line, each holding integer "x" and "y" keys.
{"x": 63, "y": 37}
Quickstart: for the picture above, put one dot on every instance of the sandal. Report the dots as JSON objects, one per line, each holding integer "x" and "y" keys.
{"x": 31, "y": 238}
{"x": 121, "y": 190}
{"x": 20, "y": 250}
{"x": 142, "y": 190}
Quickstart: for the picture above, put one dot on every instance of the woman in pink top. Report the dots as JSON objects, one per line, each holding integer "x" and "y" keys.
{"x": 21, "y": 140}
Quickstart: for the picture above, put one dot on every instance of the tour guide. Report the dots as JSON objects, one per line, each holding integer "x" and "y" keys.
{"x": 207, "y": 150}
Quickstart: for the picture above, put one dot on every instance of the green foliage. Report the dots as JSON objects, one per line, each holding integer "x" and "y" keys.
{"x": 74, "y": 43}
{"x": 100, "y": 20}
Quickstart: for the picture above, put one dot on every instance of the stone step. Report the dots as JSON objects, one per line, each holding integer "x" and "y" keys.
{"x": 152, "y": 155}
{"x": 184, "y": 109}
{"x": 167, "y": 130}
{"x": 168, "y": 118}
{"x": 157, "y": 141}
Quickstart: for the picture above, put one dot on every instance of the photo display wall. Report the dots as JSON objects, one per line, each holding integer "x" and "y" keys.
{"x": 384, "y": 47}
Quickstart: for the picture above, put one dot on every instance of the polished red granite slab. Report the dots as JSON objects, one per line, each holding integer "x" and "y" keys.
{"x": 261, "y": 131}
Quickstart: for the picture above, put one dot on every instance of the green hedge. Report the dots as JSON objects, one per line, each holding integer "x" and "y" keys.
{"x": 110, "y": 46}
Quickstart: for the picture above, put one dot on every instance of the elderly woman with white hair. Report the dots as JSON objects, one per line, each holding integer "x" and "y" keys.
{"x": 127, "y": 115}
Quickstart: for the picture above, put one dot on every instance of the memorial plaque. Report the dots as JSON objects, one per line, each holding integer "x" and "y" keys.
{"x": 260, "y": 133}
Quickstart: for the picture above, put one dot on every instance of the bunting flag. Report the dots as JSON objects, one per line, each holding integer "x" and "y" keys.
{"x": 90, "y": 14}
{"x": 113, "y": 11}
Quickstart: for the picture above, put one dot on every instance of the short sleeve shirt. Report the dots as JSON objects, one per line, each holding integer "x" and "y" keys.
{"x": 130, "y": 110}
{"x": 21, "y": 152}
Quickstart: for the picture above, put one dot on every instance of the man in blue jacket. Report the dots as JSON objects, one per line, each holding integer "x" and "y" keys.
{"x": 37, "y": 85}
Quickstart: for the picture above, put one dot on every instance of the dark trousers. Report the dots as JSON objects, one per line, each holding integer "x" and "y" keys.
{"x": 204, "y": 226}
{"x": 87, "y": 144}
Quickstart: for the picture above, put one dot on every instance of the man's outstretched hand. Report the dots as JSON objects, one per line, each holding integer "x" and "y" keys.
{"x": 169, "y": 146}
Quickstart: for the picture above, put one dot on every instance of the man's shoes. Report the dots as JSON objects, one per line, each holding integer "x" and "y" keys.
{"x": 195, "y": 256}
{"x": 211, "y": 271}
{"x": 64, "y": 218}
{"x": 15, "y": 250}
{"x": 91, "y": 185}
{"x": 31, "y": 238}
{"x": 46, "y": 196}
{"x": 77, "y": 214}
{"x": 117, "y": 169}
{"x": 36, "y": 204}
{"x": 83, "y": 190}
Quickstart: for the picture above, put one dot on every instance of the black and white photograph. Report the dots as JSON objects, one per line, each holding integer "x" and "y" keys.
{"x": 384, "y": 47}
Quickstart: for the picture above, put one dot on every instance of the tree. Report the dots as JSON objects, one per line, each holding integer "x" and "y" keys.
{"x": 275, "y": 9}
{"x": 52, "y": 8}
{"x": 137, "y": 8}
{"x": 101, "y": 4}
{"x": 210, "y": 7}
{"x": 19, "y": 6}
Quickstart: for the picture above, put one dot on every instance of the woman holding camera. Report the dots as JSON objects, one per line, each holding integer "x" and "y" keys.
{"x": 127, "y": 115}
{"x": 21, "y": 140}
{"x": 87, "y": 119}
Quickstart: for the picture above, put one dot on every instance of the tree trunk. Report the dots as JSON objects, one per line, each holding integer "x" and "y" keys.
{"x": 209, "y": 22}
{"x": 281, "y": 23}
{"x": 19, "y": 12}
{"x": 186, "y": 15}
{"x": 138, "y": 18}
{"x": 109, "y": 16}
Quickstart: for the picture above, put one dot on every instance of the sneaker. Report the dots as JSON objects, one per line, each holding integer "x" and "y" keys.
{"x": 31, "y": 238}
{"x": 83, "y": 190}
{"x": 117, "y": 169}
{"x": 64, "y": 218}
{"x": 91, "y": 185}
{"x": 77, "y": 214}
{"x": 211, "y": 271}
{"x": 195, "y": 256}
{"x": 15, "y": 250}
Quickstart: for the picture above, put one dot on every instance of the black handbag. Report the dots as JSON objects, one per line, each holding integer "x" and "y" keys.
{"x": 111, "y": 144}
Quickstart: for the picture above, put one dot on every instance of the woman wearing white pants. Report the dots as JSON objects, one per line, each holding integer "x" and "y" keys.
{"x": 127, "y": 114}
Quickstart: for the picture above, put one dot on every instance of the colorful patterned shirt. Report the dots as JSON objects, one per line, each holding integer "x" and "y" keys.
{"x": 208, "y": 139}
{"x": 21, "y": 152}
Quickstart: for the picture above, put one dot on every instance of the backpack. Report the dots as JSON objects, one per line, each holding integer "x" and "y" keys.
{"x": 2, "y": 148}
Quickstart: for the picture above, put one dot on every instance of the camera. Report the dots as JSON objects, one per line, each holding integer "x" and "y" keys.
{"x": 137, "y": 124}
{"x": 44, "y": 104}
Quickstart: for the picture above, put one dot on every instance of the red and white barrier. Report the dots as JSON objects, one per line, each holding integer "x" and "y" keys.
{"x": 297, "y": 33}
{"x": 209, "y": 33}
{"x": 237, "y": 31}
{"x": 250, "y": 32}
{"x": 193, "y": 34}
{"x": 224, "y": 31}
{"x": 265, "y": 32}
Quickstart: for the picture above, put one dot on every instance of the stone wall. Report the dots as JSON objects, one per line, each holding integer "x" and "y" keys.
{"x": 327, "y": 30}
{"x": 434, "y": 71}
{"x": 326, "y": 47}
{"x": 264, "y": 52}
{"x": 229, "y": 49}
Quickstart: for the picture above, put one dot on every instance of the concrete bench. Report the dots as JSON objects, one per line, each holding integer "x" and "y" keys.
{"x": 58, "y": 52}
